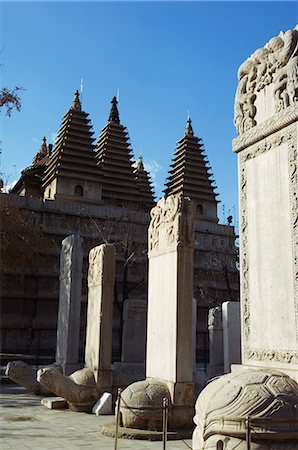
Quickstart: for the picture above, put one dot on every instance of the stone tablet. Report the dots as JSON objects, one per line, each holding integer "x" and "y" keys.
{"x": 266, "y": 116}
{"x": 68, "y": 328}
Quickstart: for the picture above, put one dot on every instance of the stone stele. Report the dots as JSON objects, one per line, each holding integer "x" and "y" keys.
{"x": 85, "y": 386}
{"x": 68, "y": 326}
{"x": 265, "y": 386}
{"x": 267, "y": 155}
{"x": 169, "y": 364}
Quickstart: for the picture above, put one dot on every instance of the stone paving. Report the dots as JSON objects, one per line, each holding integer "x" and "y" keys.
{"x": 26, "y": 424}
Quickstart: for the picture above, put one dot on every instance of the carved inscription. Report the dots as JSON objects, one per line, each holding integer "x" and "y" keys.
{"x": 291, "y": 139}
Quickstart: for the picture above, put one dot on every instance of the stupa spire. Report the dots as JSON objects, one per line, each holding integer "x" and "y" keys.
{"x": 144, "y": 184}
{"x": 76, "y": 103}
{"x": 42, "y": 154}
{"x": 114, "y": 113}
{"x": 189, "y": 175}
{"x": 188, "y": 128}
{"x": 140, "y": 165}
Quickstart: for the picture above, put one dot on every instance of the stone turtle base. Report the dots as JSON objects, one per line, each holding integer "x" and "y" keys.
{"x": 145, "y": 435}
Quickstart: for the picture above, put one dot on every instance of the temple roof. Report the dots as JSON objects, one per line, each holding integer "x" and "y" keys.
{"x": 114, "y": 158}
{"x": 73, "y": 155}
{"x": 190, "y": 171}
{"x": 43, "y": 154}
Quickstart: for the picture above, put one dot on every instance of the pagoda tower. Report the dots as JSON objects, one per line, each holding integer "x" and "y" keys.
{"x": 144, "y": 184}
{"x": 30, "y": 182}
{"x": 72, "y": 173}
{"x": 114, "y": 158}
{"x": 190, "y": 175}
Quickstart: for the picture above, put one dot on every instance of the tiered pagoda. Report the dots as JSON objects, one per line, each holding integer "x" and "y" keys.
{"x": 72, "y": 173}
{"x": 144, "y": 185}
{"x": 190, "y": 175}
{"x": 30, "y": 182}
{"x": 114, "y": 157}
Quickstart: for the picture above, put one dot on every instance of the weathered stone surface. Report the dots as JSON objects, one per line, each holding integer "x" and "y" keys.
{"x": 68, "y": 327}
{"x": 170, "y": 291}
{"x": 24, "y": 375}
{"x": 268, "y": 208}
{"x": 104, "y": 405}
{"x": 54, "y": 403}
{"x": 216, "y": 354}
{"x": 134, "y": 331}
{"x": 266, "y": 115}
{"x": 267, "y": 81}
{"x": 101, "y": 280}
{"x": 269, "y": 397}
{"x": 79, "y": 389}
{"x": 231, "y": 334}
{"x": 142, "y": 404}
{"x": 169, "y": 366}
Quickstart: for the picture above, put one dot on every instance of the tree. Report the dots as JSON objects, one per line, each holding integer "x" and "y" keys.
{"x": 9, "y": 99}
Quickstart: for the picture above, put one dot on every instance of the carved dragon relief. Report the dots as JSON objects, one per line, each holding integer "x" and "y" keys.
{"x": 174, "y": 214}
{"x": 291, "y": 138}
{"x": 277, "y": 63}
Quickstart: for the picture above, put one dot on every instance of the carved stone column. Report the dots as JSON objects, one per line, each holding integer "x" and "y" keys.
{"x": 68, "y": 328}
{"x": 263, "y": 388}
{"x": 101, "y": 280}
{"x": 169, "y": 365}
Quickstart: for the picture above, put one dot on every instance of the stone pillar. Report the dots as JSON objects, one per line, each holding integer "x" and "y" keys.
{"x": 216, "y": 354}
{"x": 266, "y": 117}
{"x": 134, "y": 331}
{"x": 231, "y": 334}
{"x": 263, "y": 387}
{"x": 68, "y": 327}
{"x": 169, "y": 327}
{"x": 101, "y": 280}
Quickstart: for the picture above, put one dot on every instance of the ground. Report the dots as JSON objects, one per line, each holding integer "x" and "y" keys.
{"x": 26, "y": 424}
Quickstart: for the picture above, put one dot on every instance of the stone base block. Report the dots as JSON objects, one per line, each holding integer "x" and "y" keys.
{"x": 141, "y": 406}
{"x": 54, "y": 403}
{"x": 148, "y": 435}
{"x": 268, "y": 397}
{"x": 104, "y": 405}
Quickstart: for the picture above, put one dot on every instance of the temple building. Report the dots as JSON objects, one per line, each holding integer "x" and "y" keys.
{"x": 98, "y": 189}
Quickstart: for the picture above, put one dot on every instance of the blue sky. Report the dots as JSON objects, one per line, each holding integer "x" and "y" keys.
{"x": 165, "y": 58}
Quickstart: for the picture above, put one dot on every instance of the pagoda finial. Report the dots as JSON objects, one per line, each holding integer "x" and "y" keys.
{"x": 76, "y": 104}
{"x": 114, "y": 114}
{"x": 44, "y": 147}
{"x": 140, "y": 165}
{"x": 188, "y": 129}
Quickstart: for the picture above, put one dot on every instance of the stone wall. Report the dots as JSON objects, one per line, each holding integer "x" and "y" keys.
{"x": 29, "y": 300}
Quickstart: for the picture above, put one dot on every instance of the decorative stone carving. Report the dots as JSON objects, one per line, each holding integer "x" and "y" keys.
{"x": 269, "y": 397}
{"x": 24, "y": 375}
{"x": 275, "y": 64}
{"x": 79, "y": 389}
{"x": 174, "y": 216}
{"x": 145, "y": 404}
{"x": 169, "y": 367}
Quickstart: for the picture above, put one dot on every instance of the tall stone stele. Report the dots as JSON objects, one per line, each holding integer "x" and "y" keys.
{"x": 266, "y": 117}
{"x": 69, "y": 311}
{"x": 101, "y": 281}
{"x": 169, "y": 364}
{"x": 265, "y": 387}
